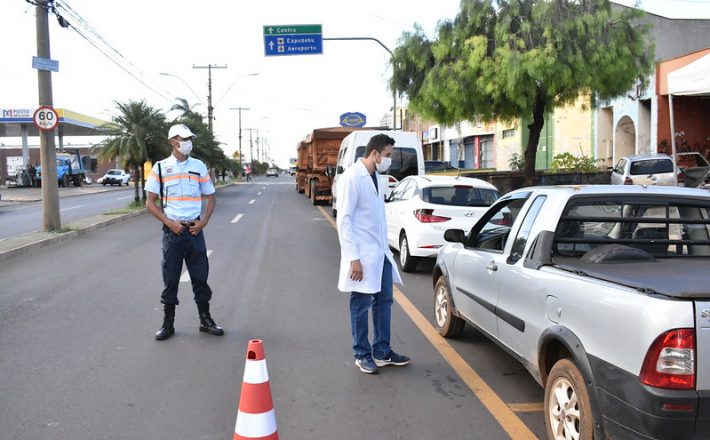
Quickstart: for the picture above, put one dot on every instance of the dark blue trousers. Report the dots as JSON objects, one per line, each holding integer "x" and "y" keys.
{"x": 191, "y": 249}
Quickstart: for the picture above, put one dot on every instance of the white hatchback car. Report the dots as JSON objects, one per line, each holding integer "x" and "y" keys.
{"x": 421, "y": 208}
{"x": 115, "y": 177}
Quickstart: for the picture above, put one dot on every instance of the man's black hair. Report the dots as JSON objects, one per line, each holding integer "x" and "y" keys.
{"x": 378, "y": 142}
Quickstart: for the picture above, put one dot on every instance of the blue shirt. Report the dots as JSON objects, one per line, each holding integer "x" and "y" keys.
{"x": 184, "y": 184}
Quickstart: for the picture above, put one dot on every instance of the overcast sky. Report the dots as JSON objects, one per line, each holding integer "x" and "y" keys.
{"x": 290, "y": 96}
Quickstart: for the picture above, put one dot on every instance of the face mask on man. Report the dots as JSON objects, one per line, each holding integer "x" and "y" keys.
{"x": 383, "y": 166}
{"x": 185, "y": 147}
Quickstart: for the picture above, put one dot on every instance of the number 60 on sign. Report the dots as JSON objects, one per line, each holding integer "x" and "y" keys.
{"x": 45, "y": 118}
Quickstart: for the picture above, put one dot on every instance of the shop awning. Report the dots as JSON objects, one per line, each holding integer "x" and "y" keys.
{"x": 691, "y": 80}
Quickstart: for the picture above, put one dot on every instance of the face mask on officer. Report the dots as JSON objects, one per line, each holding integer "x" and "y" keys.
{"x": 185, "y": 147}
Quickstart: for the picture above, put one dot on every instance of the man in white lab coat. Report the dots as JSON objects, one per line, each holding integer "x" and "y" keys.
{"x": 367, "y": 268}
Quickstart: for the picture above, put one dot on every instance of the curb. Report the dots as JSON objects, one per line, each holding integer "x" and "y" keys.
{"x": 23, "y": 244}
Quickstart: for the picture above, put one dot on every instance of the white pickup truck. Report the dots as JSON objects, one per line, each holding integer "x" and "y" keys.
{"x": 603, "y": 293}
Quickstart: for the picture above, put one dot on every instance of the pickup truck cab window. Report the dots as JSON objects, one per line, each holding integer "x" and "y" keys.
{"x": 491, "y": 232}
{"x": 661, "y": 226}
{"x": 516, "y": 252}
{"x": 398, "y": 191}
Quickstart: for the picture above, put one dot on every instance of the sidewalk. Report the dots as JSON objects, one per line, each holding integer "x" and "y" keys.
{"x": 21, "y": 244}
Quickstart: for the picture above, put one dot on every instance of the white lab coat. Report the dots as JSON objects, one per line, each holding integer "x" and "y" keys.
{"x": 362, "y": 230}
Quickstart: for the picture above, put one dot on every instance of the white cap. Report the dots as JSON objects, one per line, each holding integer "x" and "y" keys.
{"x": 180, "y": 130}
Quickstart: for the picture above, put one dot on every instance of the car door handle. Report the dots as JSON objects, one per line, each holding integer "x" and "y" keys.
{"x": 492, "y": 266}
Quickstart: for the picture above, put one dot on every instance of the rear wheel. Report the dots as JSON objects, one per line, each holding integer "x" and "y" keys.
{"x": 65, "y": 181}
{"x": 568, "y": 411}
{"x": 313, "y": 193}
{"x": 447, "y": 323}
{"x": 408, "y": 263}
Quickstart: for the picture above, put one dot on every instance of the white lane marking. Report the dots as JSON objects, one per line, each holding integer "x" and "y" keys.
{"x": 73, "y": 207}
{"x": 186, "y": 275}
{"x": 124, "y": 198}
{"x": 237, "y": 218}
{"x": 259, "y": 193}
{"x": 251, "y": 202}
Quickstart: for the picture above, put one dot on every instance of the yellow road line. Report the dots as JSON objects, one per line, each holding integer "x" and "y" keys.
{"x": 504, "y": 415}
{"x": 527, "y": 407}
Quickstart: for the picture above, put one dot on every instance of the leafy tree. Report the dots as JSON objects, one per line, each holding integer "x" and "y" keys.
{"x": 511, "y": 58}
{"x": 136, "y": 134}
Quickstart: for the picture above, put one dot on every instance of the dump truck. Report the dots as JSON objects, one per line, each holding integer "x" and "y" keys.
{"x": 317, "y": 157}
{"x": 70, "y": 169}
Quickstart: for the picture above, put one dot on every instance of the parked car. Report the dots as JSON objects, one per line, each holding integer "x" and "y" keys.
{"x": 659, "y": 169}
{"x": 115, "y": 177}
{"x": 438, "y": 165}
{"x": 421, "y": 208}
{"x": 602, "y": 293}
{"x": 292, "y": 171}
{"x": 272, "y": 172}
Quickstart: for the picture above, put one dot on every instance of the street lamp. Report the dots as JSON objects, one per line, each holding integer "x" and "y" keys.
{"x": 232, "y": 85}
{"x": 186, "y": 84}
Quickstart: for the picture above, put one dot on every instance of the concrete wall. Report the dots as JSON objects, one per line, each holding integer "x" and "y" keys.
{"x": 573, "y": 128}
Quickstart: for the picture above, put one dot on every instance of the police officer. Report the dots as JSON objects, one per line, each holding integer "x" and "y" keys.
{"x": 180, "y": 182}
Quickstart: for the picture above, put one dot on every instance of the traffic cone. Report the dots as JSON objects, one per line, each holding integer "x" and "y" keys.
{"x": 255, "y": 416}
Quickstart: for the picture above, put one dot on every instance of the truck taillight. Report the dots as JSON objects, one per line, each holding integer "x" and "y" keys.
{"x": 670, "y": 361}
{"x": 427, "y": 216}
{"x": 681, "y": 177}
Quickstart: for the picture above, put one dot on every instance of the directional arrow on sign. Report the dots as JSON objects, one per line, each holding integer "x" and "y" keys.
{"x": 271, "y": 45}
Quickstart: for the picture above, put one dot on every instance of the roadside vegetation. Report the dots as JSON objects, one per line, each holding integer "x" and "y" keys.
{"x": 138, "y": 134}
{"x": 508, "y": 59}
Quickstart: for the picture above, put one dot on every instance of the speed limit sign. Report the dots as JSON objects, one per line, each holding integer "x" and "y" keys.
{"x": 45, "y": 118}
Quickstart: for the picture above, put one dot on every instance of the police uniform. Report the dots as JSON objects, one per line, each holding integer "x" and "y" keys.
{"x": 183, "y": 185}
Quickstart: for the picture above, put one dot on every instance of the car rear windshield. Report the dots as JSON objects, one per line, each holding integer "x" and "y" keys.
{"x": 651, "y": 166}
{"x": 404, "y": 161}
{"x": 664, "y": 226}
{"x": 114, "y": 172}
{"x": 460, "y": 195}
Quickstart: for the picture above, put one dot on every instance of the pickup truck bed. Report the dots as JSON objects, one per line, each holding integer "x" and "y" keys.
{"x": 683, "y": 278}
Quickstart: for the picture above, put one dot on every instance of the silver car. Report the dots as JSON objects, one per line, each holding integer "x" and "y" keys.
{"x": 644, "y": 169}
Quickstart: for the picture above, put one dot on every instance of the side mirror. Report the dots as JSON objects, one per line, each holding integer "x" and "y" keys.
{"x": 330, "y": 171}
{"x": 454, "y": 236}
{"x": 340, "y": 169}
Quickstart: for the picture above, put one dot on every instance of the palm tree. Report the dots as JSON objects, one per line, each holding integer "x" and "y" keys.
{"x": 136, "y": 134}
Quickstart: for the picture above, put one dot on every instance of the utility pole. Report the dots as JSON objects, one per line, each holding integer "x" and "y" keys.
{"x": 240, "y": 131}
{"x": 48, "y": 153}
{"x": 258, "y": 157}
{"x": 251, "y": 144}
{"x": 210, "y": 109}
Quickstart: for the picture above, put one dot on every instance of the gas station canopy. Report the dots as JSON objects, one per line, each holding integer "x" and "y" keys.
{"x": 14, "y": 121}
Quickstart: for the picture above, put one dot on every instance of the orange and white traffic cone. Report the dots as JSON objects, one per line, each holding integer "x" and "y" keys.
{"x": 255, "y": 416}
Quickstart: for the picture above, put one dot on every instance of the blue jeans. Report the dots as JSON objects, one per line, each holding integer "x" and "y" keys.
{"x": 191, "y": 249}
{"x": 381, "y": 303}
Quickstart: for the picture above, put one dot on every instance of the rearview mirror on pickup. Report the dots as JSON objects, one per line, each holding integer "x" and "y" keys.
{"x": 454, "y": 236}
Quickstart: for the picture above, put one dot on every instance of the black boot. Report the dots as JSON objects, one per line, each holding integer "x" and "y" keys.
{"x": 207, "y": 324}
{"x": 167, "y": 329}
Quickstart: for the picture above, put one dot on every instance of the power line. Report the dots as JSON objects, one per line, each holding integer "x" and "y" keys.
{"x": 82, "y": 27}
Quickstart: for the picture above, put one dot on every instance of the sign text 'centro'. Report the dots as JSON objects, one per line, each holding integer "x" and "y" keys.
{"x": 280, "y": 40}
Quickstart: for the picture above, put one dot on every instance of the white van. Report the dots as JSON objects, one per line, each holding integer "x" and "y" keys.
{"x": 407, "y": 157}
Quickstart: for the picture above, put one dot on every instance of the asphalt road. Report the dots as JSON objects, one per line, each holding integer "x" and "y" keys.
{"x": 79, "y": 361}
{"x": 20, "y": 218}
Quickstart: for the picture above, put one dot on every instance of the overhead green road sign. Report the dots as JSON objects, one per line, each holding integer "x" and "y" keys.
{"x": 293, "y": 29}
{"x": 297, "y": 39}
